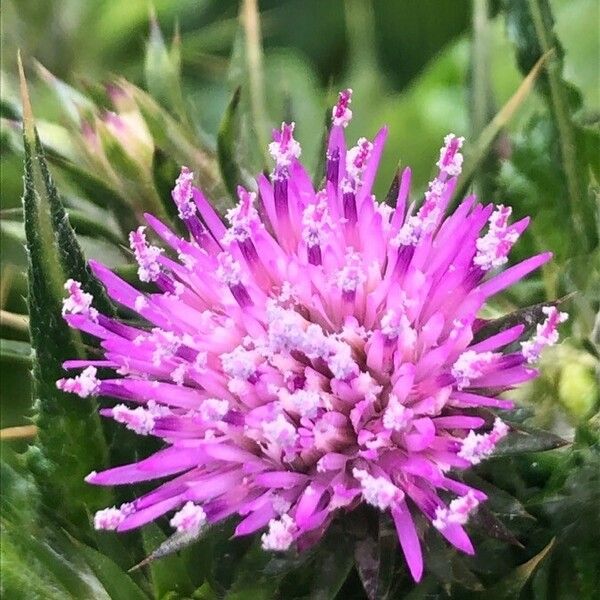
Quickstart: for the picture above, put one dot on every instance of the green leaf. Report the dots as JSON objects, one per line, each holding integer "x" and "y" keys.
{"x": 250, "y": 582}
{"x": 531, "y": 27}
{"x": 165, "y": 171}
{"x": 70, "y": 255}
{"x": 96, "y": 190}
{"x": 254, "y": 69}
{"x": 529, "y": 316}
{"x": 161, "y": 70}
{"x": 32, "y": 569}
{"x": 252, "y": 132}
{"x": 510, "y": 586}
{"x": 40, "y": 561}
{"x": 84, "y": 177}
{"x": 561, "y": 100}
{"x": 118, "y": 584}
{"x": 376, "y": 560}
{"x": 295, "y": 95}
{"x": 523, "y": 438}
{"x": 20, "y": 498}
{"x": 500, "y": 502}
{"x": 482, "y": 146}
{"x": 72, "y": 102}
{"x": 226, "y": 146}
{"x": 15, "y": 351}
{"x": 448, "y": 566}
{"x": 333, "y": 562}
{"x": 493, "y": 527}
{"x": 9, "y": 109}
{"x": 568, "y": 505}
{"x": 69, "y": 434}
{"x": 83, "y": 224}
{"x": 428, "y": 589}
{"x": 168, "y": 574}
{"x": 204, "y": 592}
{"x": 321, "y": 159}
{"x": 134, "y": 177}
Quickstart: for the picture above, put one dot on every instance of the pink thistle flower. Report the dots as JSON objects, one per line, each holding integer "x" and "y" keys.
{"x": 315, "y": 354}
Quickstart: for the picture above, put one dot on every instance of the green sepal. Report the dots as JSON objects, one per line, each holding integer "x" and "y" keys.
{"x": 226, "y": 146}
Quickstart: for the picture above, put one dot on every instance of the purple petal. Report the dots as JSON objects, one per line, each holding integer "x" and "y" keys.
{"x": 514, "y": 274}
{"x": 458, "y": 537}
{"x": 209, "y": 215}
{"x": 141, "y": 517}
{"x": 255, "y": 520}
{"x": 500, "y": 339}
{"x": 409, "y": 540}
{"x": 165, "y": 462}
{"x": 280, "y": 479}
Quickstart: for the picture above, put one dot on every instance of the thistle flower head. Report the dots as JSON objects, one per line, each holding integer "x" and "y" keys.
{"x": 124, "y": 125}
{"x": 314, "y": 354}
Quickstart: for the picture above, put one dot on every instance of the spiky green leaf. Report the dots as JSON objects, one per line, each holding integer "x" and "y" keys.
{"x": 523, "y": 438}
{"x": 70, "y": 255}
{"x": 528, "y": 316}
{"x": 70, "y": 435}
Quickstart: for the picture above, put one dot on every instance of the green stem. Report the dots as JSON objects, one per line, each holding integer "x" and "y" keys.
{"x": 563, "y": 122}
{"x": 480, "y": 65}
{"x": 481, "y": 146}
{"x": 480, "y": 82}
{"x": 254, "y": 58}
{"x": 360, "y": 23}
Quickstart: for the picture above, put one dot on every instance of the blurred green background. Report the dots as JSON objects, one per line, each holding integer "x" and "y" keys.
{"x": 124, "y": 93}
{"x": 423, "y": 67}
